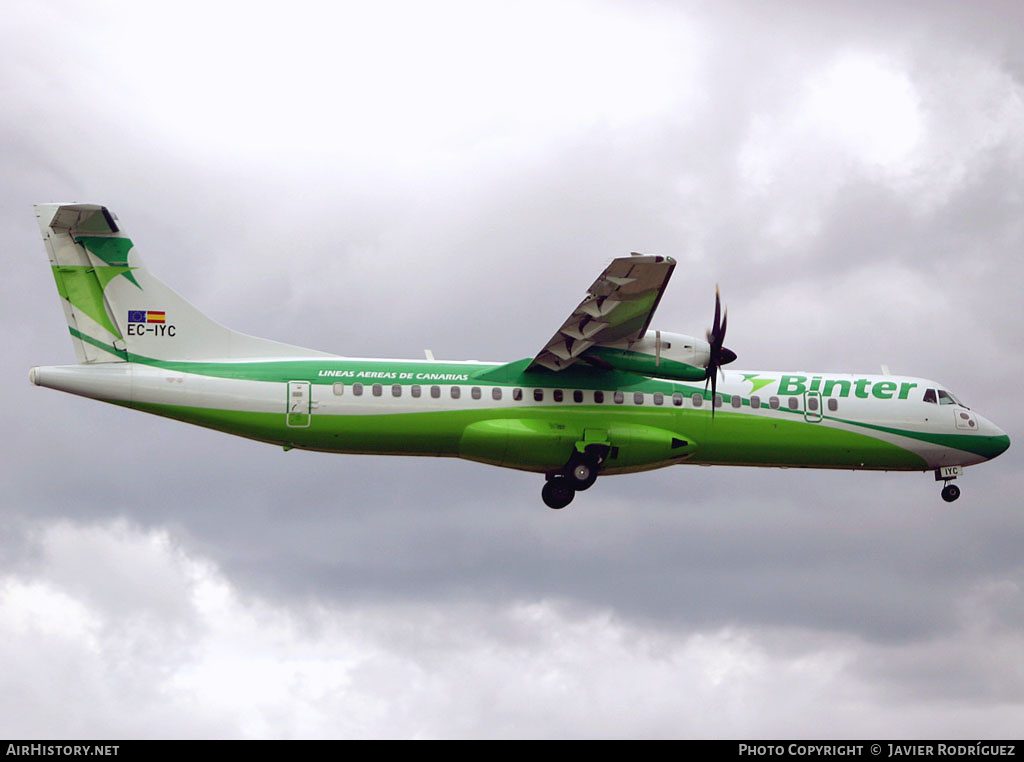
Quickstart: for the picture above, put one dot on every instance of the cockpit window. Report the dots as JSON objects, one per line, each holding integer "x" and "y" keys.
{"x": 956, "y": 400}
{"x": 941, "y": 397}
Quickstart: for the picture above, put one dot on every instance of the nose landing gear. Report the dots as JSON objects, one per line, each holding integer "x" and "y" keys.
{"x": 950, "y": 493}
{"x": 946, "y": 475}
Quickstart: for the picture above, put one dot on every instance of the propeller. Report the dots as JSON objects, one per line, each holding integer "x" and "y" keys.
{"x": 719, "y": 355}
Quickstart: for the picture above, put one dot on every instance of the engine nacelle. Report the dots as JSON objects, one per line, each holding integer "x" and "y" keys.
{"x": 657, "y": 353}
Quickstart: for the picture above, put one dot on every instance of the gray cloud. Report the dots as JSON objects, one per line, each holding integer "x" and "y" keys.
{"x": 516, "y": 668}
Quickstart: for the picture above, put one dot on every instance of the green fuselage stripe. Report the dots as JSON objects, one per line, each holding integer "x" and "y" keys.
{"x": 731, "y": 438}
{"x": 988, "y": 447}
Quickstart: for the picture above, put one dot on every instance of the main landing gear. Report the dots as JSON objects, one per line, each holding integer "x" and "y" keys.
{"x": 557, "y": 492}
{"x": 946, "y": 475}
{"x": 579, "y": 474}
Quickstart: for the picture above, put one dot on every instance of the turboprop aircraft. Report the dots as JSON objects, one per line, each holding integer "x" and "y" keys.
{"x": 604, "y": 396}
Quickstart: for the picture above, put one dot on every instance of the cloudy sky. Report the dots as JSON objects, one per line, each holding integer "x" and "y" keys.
{"x": 378, "y": 180}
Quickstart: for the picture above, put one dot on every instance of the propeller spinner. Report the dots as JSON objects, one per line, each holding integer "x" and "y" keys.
{"x": 719, "y": 355}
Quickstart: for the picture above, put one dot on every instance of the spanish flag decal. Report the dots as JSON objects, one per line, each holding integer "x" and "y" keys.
{"x": 147, "y": 316}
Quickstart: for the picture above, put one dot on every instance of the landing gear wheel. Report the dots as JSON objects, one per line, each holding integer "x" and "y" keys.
{"x": 557, "y": 493}
{"x": 582, "y": 474}
{"x": 950, "y": 493}
{"x": 582, "y": 469}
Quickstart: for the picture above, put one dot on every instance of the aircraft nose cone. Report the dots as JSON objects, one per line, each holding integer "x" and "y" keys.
{"x": 997, "y": 441}
{"x": 1000, "y": 444}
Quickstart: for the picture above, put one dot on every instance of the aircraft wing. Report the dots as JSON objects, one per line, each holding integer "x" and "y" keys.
{"x": 619, "y": 305}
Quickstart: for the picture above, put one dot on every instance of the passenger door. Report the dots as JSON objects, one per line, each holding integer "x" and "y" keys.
{"x": 298, "y": 405}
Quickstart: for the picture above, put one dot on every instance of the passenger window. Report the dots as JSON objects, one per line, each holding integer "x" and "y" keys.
{"x": 794, "y": 403}
{"x": 435, "y": 392}
{"x": 599, "y": 397}
{"x": 755, "y": 402}
{"x": 619, "y": 398}
{"x": 377, "y": 390}
{"x": 638, "y": 398}
{"x": 538, "y": 395}
{"x": 517, "y": 395}
{"x": 773, "y": 403}
{"x": 456, "y": 392}
{"x": 718, "y": 400}
{"x": 737, "y": 401}
{"x": 339, "y": 389}
{"x": 475, "y": 392}
{"x": 812, "y": 404}
{"x": 415, "y": 390}
{"x": 577, "y": 396}
{"x": 698, "y": 400}
{"x": 558, "y": 395}
{"x": 677, "y": 399}
{"x": 496, "y": 393}
{"x": 357, "y": 389}
{"x": 929, "y": 396}
{"x": 396, "y": 390}
{"x": 659, "y": 398}
{"x": 833, "y": 405}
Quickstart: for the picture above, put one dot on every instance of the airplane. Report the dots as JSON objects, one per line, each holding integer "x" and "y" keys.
{"x": 606, "y": 395}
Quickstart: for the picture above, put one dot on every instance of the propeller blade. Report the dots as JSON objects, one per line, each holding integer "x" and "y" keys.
{"x": 718, "y": 310}
{"x": 718, "y": 355}
{"x": 714, "y": 393}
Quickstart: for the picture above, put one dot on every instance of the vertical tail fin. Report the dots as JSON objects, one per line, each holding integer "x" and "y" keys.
{"x": 117, "y": 311}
